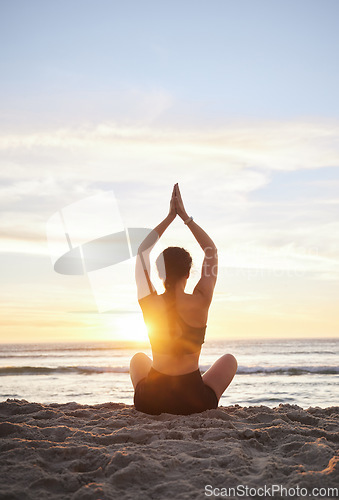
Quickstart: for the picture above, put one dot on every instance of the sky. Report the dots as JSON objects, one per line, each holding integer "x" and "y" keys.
{"x": 235, "y": 100}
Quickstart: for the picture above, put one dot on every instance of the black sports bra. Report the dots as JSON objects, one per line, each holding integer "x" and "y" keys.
{"x": 189, "y": 342}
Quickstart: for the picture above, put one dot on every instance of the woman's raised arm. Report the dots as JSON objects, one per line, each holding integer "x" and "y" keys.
{"x": 209, "y": 272}
{"x": 142, "y": 266}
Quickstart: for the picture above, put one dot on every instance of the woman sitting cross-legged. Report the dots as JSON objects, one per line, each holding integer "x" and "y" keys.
{"x": 176, "y": 323}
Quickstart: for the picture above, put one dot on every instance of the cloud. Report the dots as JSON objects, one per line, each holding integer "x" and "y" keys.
{"x": 219, "y": 170}
{"x": 225, "y": 163}
{"x": 265, "y": 145}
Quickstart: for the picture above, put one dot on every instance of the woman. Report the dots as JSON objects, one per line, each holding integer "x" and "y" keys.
{"x": 176, "y": 323}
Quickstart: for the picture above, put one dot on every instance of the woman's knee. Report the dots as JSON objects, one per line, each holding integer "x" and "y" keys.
{"x": 139, "y": 367}
{"x": 230, "y": 361}
{"x": 138, "y": 359}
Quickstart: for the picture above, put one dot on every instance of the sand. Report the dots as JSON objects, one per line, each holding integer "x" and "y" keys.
{"x": 111, "y": 451}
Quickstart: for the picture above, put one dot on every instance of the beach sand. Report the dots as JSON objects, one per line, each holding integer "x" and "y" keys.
{"x": 111, "y": 451}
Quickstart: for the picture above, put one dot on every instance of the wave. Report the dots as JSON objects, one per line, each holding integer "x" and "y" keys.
{"x": 44, "y": 370}
{"x": 92, "y": 370}
{"x": 289, "y": 370}
{"x": 21, "y": 350}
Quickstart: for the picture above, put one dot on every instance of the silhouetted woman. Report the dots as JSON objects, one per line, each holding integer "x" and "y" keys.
{"x": 176, "y": 323}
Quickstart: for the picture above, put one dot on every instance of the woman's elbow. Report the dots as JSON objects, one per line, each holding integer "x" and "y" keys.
{"x": 211, "y": 251}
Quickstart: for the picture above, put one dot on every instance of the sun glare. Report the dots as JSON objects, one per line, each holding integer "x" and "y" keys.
{"x": 130, "y": 327}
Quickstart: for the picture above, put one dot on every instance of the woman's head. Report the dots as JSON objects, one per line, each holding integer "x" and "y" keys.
{"x": 173, "y": 264}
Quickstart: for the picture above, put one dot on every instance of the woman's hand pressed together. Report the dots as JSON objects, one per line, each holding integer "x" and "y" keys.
{"x": 172, "y": 210}
{"x": 179, "y": 204}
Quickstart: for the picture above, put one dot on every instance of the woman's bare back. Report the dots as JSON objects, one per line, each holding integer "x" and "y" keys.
{"x": 164, "y": 328}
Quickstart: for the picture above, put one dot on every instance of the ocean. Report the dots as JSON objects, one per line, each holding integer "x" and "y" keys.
{"x": 302, "y": 372}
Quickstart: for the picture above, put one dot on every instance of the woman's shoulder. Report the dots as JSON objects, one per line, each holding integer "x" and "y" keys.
{"x": 184, "y": 300}
{"x": 195, "y": 299}
{"x": 193, "y": 310}
{"x": 149, "y": 298}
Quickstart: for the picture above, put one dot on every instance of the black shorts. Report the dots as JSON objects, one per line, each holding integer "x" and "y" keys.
{"x": 176, "y": 394}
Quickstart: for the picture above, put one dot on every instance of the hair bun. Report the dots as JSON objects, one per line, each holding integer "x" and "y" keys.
{"x": 173, "y": 264}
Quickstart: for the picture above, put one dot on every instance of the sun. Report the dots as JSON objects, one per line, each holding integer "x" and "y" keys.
{"x": 131, "y": 327}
